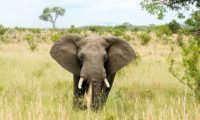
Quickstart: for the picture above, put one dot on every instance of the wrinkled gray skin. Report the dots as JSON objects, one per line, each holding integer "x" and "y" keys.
{"x": 92, "y": 58}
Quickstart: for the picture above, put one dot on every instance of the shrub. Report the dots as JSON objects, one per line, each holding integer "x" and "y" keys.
{"x": 174, "y": 26}
{"x": 187, "y": 71}
{"x": 145, "y": 38}
{"x": 20, "y": 29}
{"x": 74, "y": 30}
{"x": 55, "y": 37}
{"x": 163, "y": 29}
{"x": 127, "y": 37}
{"x": 28, "y": 37}
{"x": 158, "y": 33}
{"x": 32, "y": 45}
{"x": 118, "y": 32}
{"x": 35, "y": 30}
{"x": 2, "y": 30}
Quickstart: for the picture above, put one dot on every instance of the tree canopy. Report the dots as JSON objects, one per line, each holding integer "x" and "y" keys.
{"x": 159, "y": 7}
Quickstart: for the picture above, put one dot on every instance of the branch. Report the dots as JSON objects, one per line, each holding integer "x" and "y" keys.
{"x": 56, "y": 16}
{"x": 51, "y": 19}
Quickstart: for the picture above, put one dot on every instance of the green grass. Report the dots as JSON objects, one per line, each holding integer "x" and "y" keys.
{"x": 34, "y": 87}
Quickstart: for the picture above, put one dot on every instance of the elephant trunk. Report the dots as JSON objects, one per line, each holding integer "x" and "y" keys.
{"x": 95, "y": 74}
{"x": 96, "y": 94}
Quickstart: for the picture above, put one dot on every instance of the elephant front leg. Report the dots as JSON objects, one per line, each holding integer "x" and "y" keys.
{"x": 79, "y": 94}
{"x": 106, "y": 90}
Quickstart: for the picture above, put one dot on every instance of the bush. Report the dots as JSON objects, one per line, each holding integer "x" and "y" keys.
{"x": 163, "y": 29}
{"x": 74, "y": 30}
{"x": 158, "y": 33}
{"x": 55, "y": 37}
{"x": 187, "y": 71}
{"x": 118, "y": 32}
{"x": 145, "y": 38}
{"x": 32, "y": 45}
{"x": 174, "y": 26}
{"x": 28, "y": 37}
{"x": 2, "y": 30}
{"x": 35, "y": 30}
{"x": 127, "y": 37}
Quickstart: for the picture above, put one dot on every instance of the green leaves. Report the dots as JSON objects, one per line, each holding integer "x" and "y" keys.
{"x": 145, "y": 38}
{"x": 194, "y": 20}
{"x": 187, "y": 69}
{"x": 174, "y": 26}
{"x": 159, "y": 7}
{"x": 153, "y": 8}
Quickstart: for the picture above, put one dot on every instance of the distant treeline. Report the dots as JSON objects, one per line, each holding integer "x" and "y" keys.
{"x": 173, "y": 26}
{"x": 124, "y": 30}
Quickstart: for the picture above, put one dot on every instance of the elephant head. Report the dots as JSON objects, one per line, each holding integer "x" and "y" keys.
{"x": 92, "y": 58}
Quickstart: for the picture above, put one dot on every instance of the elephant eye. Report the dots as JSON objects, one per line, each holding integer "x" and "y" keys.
{"x": 80, "y": 57}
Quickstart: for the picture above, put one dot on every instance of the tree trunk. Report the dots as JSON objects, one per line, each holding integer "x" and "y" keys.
{"x": 54, "y": 25}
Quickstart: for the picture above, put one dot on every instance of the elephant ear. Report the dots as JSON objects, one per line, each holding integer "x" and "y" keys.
{"x": 64, "y": 51}
{"x": 120, "y": 54}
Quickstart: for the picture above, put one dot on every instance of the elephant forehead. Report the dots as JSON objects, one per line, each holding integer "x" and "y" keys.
{"x": 92, "y": 42}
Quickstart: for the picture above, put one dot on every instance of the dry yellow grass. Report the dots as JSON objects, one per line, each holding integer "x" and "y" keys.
{"x": 34, "y": 87}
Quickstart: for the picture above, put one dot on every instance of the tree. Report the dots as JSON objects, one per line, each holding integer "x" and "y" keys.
{"x": 186, "y": 69}
{"x": 194, "y": 22}
{"x": 159, "y": 7}
{"x": 51, "y": 14}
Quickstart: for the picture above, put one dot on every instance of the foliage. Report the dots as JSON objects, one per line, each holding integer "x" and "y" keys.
{"x": 174, "y": 26}
{"x": 35, "y": 30}
{"x": 51, "y": 14}
{"x": 145, "y": 38}
{"x": 161, "y": 30}
{"x": 194, "y": 22}
{"x": 2, "y": 30}
{"x": 74, "y": 30}
{"x": 187, "y": 70}
{"x": 118, "y": 31}
{"x": 153, "y": 8}
{"x": 55, "y": 37}
{"x": 28, "y": 37}
{"x": 190, "y": 57}
{"x": 32, "y": 44}
{"x": 127, "y": 37}
{"x": 159, "y": 7}
{"x": 97, "y": 29}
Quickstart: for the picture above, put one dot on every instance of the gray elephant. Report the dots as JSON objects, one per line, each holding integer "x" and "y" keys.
{"x": 94, "y": 61}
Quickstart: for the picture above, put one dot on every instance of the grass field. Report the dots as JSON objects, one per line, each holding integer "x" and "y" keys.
{"x": 34, "y": 87}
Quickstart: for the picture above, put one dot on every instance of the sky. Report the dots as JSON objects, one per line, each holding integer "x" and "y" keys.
{"x": 25, "y": 13}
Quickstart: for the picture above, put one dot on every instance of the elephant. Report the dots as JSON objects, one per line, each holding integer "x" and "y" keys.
{"x": 93, "y": 60}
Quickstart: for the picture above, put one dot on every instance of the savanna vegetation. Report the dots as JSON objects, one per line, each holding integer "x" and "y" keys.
{"x": 162, "y": 83}
{"x": 34, "y": 86}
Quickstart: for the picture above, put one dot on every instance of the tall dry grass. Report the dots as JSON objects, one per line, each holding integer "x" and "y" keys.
{"x": 34, "y": 87}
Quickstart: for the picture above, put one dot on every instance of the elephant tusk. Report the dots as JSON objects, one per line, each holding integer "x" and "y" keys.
{"x": 80, "y": 83}
{"x": 106, "y": 82}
